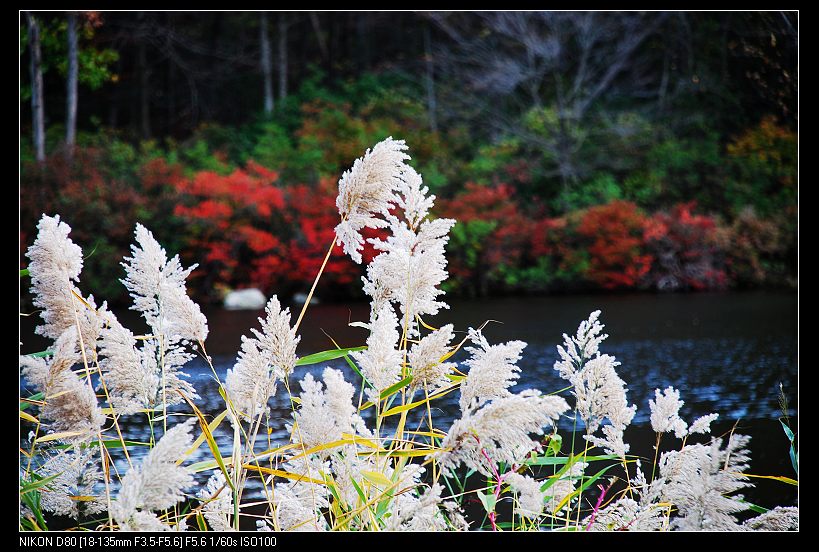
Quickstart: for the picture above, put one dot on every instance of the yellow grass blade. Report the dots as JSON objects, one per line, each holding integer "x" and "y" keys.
{"x": 334, "y": 444}
{"x": 28, "y": 417}
{"x": 201, "y": 439}
{"x": 214, "y": 448}
{"x": 424, "y": 324}
{"x": 404, "y": 407}
{"x": 404, "y": 453}
{"x": 280, "y": 473}
{"x": 435, "y": 433}
{"x": 206, "y": 465}
{"x": 377, "y": 478}
{"x": 360, "y": 440}
{"x": 781, "y": 478}
{"x": 58, "y": 435}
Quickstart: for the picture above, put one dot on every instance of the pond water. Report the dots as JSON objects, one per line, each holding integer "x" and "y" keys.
{"x": 726, "y": 353}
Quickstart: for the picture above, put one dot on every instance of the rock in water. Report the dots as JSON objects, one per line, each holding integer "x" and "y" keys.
{"x": 300, "y": 298}
{"x": 245, "y": 299}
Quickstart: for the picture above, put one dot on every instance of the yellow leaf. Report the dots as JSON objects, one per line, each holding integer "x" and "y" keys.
{"x": 28, "y": 417}
{"x": 214, "y": 448}
{"x": 377, "y": 478}
{"x": 280, "y": 473}
{"x": 781, "y": 478}
{"x": 201, "y": 439}
{"x": 406, "y": 453}
{"x": 333, "y": 444}
{"x": 58, "y": 435}
{"x": 404, "y": 407}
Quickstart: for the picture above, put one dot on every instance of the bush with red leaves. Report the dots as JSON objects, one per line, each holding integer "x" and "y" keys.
{"x": 490, "y": 236}
{"x": 686, "y": 250}
{"x": 612, "y": 234}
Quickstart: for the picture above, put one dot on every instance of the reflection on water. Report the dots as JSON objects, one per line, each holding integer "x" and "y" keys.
{"x": 726, "y": 353}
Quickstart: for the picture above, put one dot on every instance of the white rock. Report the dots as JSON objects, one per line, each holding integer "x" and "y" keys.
{"x": 300, "y": 298}
{"x": 247, "y": 299}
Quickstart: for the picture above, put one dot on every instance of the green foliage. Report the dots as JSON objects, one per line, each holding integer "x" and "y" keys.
{"x": 94, "y": 64}
{"x": 603, "y": 188}
{"x": 764, "y": 159}
{"x": 679, "y": 169}
{"x": 273, "y": 148}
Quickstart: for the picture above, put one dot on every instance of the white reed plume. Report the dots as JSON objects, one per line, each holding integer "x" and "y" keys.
{"x": 581, "y": 347}
{"x": 70, "y": 404}
{"x": 425, "y": 357}
{"x": 157, "y": 286}
{"x": 72, "y": 491}
{"x": 414, "y": 198}
{"x": 157, "y": 484}
{"x": 367, "y": 190}
{"x": 665, "y": 412}
{"x": 410, "y": 268}
{"x": 530, "y": 497}
{"x": 626, "y": 514}
{"x": 218, "y": 502}
{"x": 501, "y": 429}
{"x": 420, "y": 513}
{"x": 702, "y": 424}
{"x": 264, "y": 359}
{"x": 492, "y": 371}
{"x": 556, "y": 494}
{"x": 700, "y": 479}
{"x": 296, "y": 507}
{"x": 131, "y": 375}
{"x": 599, "y": 390}
{"x": 380, "y": 362}
{"x": 324, "y": 414}
{"x": 56, "y": 263}
{"x": 781, "y": 518}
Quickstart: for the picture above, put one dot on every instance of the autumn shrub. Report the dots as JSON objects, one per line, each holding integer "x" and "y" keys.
{"x": 253, "y": 231}
{"x": 490, "y": 239}
{"x": 601, "y": 189}
{"x": 756, "y": 250}
{"x": 310, "y": 213}
{"x": 764, "y": 160}
{"x": 685, "y": 248}
{"x": 106, "y": 189}
{"x": 612, "y": 235}
{"x": 236, "y": 222}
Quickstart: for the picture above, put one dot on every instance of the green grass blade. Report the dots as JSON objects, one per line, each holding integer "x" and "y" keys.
{"x": 324, "y": 356}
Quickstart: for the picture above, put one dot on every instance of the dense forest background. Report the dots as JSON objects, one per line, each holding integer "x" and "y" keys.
{"x": 578, "y": 150}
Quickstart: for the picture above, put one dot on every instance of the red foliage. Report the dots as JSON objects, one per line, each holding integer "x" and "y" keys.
{"x": 233, "y": 219}
{"x": 102, "y": 203}
{"x": 545, "y": 239}
{"x": 615, "y": 231}
{"x": 478, "y": 249}
{"x": 312, "y": 213}
{"x": 255, "y": 233}
{"x": 685, "y": 246}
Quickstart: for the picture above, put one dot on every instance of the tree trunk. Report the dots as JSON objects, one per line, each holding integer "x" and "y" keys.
{"x": 37, "y": 108}
{"x": 71, "y": 85}
{"x": 314, "y": 20}
{"x": 430, "y": 81}
{"x": 144, "y": 93}
{"x": 282, "y": 56}
{"x": 267, "y": 63}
